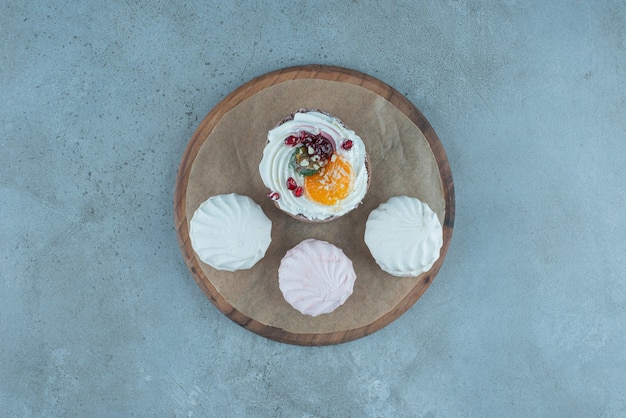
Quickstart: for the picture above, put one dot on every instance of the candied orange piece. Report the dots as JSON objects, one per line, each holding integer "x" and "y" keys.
{"x": 332, "y": 184}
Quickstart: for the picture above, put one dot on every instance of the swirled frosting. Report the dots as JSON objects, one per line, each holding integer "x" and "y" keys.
{"x": 230, "y": 232}
{"x": 316, "y": 277}
{"x": 404, "y": 236}
{"x": 276, "y": 170}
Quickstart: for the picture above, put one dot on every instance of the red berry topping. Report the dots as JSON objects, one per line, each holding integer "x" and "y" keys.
{"x": 291, "y": 184}
{"x": 273, "y": 195}
{"x": 298, "y": 192}
{"x": 292, "y": 140}
{"x": 347, "y": 144}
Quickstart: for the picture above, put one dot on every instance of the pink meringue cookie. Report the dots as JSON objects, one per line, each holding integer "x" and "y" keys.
{"x": 316, "y": 277}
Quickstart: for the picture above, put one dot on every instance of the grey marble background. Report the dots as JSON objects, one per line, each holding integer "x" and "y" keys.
{"x": 99, "y": 315}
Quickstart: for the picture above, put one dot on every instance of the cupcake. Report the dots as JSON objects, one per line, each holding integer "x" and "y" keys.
{"x": 315, "y": 277}
{"x": 230, "y": 232}
{"x": 316, "y": 169}
{"x": 404, "y": 236}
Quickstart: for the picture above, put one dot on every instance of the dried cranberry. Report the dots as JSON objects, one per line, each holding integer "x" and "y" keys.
{"x": 321, "y": 145}
{"x": 292, "y": 140}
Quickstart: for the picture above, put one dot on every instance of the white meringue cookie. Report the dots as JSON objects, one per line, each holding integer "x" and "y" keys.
{"x": 404, "y": 236}
{"x": 316, "y": 277}
{"x": 230, "y": 232}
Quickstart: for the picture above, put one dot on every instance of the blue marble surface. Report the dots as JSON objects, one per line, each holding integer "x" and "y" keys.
{"x": 99, "y": 315}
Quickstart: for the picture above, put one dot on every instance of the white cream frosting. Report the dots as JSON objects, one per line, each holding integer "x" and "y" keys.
{"x": 404, "y": 236}
{"x": 275, "y": 168}
{"x": 316, "y": 277}
{"x": 230, "y": 232}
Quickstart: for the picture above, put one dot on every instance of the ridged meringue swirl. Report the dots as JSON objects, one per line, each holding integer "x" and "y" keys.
{"x": 230, "y": 232}
{"x": 404, "y": 236}
{"x": 275, "y": 169}
{"x": 316, "y": 277}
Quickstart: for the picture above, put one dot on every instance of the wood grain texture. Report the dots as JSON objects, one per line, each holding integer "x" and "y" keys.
{"x": 244, "y": 92}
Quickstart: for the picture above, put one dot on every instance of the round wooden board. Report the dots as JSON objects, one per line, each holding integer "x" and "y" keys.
{"x": 294, "y": 328}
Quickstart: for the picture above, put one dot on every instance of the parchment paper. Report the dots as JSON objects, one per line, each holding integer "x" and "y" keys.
{"x": 401, "y": 163}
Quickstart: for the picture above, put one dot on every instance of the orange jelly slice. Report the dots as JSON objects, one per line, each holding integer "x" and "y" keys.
{"x": 332, "y": 184}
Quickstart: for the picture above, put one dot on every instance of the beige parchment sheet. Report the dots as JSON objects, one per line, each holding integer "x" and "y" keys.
{"x": 402, "y": 163}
